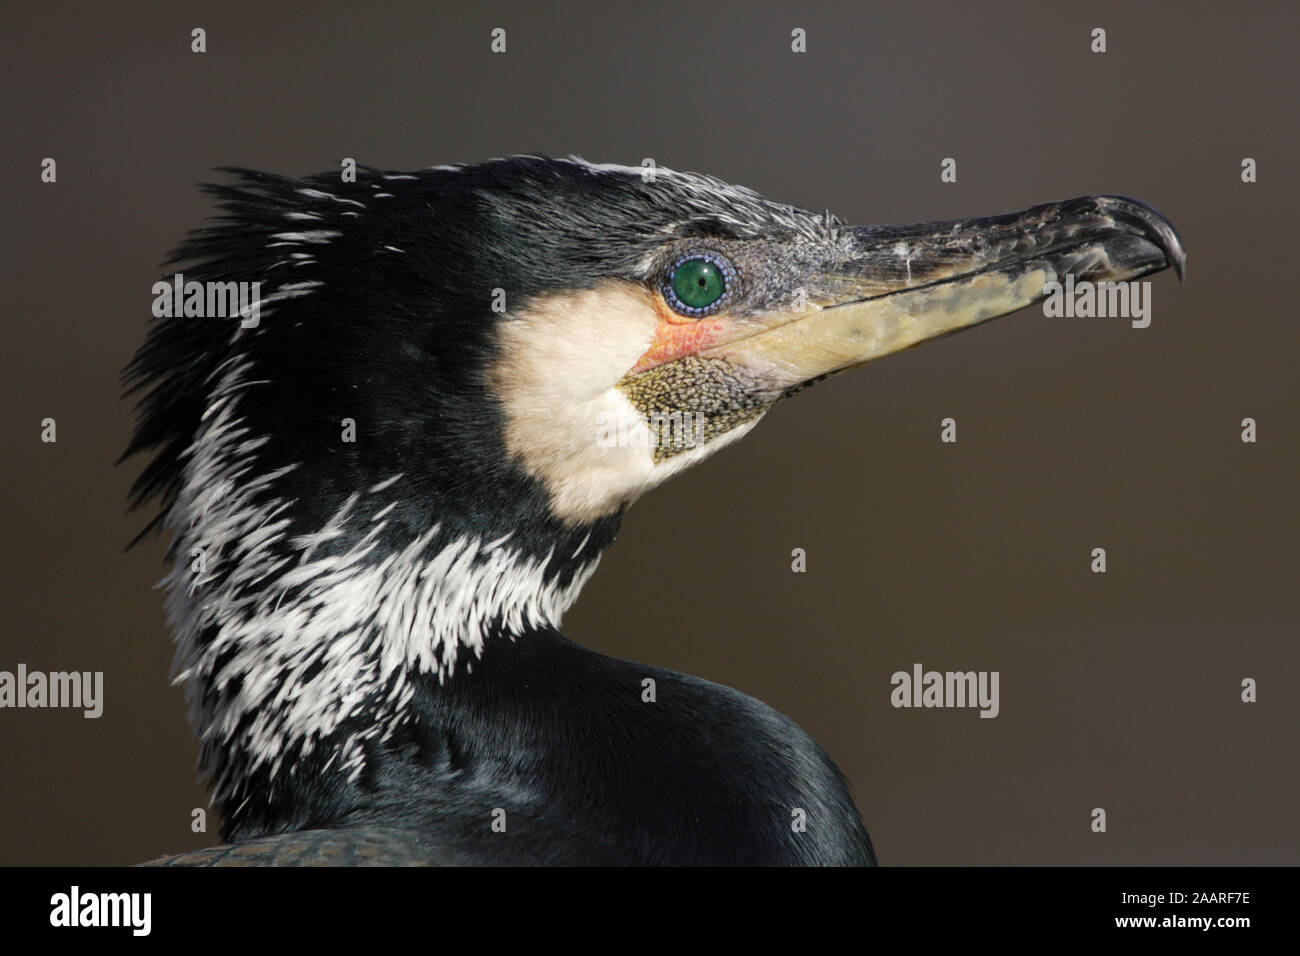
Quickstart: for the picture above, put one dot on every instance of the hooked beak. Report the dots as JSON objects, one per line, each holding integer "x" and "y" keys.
{"x": 898, "y": 286}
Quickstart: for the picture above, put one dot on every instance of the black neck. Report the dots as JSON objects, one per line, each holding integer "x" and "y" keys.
{"x": 561, "y": 746}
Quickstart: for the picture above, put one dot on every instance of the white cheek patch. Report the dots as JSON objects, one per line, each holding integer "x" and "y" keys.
{"x": 567, "y": 422}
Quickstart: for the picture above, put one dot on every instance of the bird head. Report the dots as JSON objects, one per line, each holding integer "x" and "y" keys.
{"x": 702, "y": 305}
{"x": 459, "y": 378}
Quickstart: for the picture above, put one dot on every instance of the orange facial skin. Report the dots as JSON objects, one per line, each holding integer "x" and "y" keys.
{"x": 678, "y": 335}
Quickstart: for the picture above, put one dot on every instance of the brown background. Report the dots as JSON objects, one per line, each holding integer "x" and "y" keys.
{"x": 1118, "y": 690}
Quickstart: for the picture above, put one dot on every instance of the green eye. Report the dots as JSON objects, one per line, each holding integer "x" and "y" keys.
{"x": 698, "y": 283}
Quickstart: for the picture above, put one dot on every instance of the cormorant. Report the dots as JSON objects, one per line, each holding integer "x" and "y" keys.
{"x": 387, "y": 484}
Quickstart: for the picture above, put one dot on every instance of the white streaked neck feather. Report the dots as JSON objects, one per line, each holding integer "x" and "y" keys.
{"x": 280, "y": 640}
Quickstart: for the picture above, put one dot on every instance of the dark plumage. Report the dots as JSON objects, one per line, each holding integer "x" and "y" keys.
{"x": 367, "y": 628}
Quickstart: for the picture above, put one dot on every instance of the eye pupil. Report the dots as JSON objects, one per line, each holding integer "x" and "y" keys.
{"x": 697, "y": 283}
